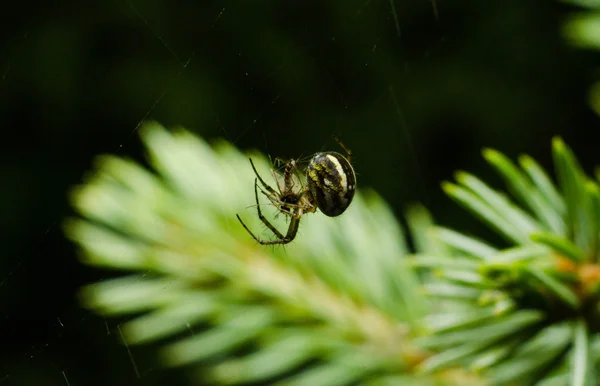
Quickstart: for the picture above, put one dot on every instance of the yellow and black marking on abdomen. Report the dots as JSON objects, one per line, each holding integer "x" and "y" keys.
{"x": 332, "y": 182}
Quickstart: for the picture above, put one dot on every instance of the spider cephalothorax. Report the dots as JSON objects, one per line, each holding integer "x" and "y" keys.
{"x": 331, "y": 184}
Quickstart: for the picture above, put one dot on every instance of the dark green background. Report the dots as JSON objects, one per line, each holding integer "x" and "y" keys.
{"x": 415, "y": 100}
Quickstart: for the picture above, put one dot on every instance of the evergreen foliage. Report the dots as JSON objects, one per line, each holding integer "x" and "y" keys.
{"x": 333, "y": 307}
{"x": 526, "y": 314}
{"x": 346, "y": 302}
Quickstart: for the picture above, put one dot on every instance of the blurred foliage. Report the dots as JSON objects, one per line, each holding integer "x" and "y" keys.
{"x": 335, "y": 306}
{"x": 527, "y": 314}
{"x": 341, "y": 303}
{"x": 583, "y": 29}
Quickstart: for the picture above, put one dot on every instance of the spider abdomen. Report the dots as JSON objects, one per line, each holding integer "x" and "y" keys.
{"x": 332, "y": 182}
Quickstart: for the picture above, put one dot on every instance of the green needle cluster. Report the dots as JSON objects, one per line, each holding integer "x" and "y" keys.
{"x": 346, "y": 302}
{"x": 332, "y": 308}
{"x": 527, "y": 314}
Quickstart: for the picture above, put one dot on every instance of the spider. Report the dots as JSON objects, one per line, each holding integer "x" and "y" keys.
{"x": 331, "y": 186}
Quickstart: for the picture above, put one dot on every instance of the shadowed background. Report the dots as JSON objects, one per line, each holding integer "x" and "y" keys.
{"x": 414, "y": 88}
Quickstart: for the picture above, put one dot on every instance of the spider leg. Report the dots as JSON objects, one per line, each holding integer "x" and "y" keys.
{"x": 307, "y": 196}
{"x": 290, "y": 235}
{"x": 277, "y": 161}
{"x": 305, "y": 202}
{"x": 278, "y": 203}
{"x": 248, "y": 229}
{"x": 281, "y": 206}
{"x": 263, "y": 218}
{"x": 276, "y": 179}
{"x": 295, "y": 210}
{"x": 293, "y": 228}
{"x": 281, "y": 239}
{"x": 348, "y": 151}
{"x": 262, "y": 182}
